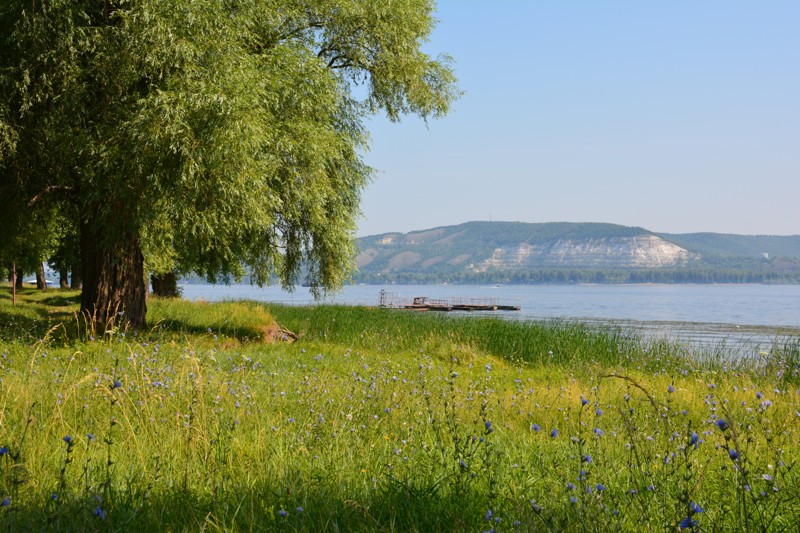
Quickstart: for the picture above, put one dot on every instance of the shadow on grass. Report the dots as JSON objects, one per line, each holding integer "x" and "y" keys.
{"x": 253, "y": 509}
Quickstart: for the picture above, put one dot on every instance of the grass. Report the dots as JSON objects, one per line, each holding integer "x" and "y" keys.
{"x": 376, "y": 420}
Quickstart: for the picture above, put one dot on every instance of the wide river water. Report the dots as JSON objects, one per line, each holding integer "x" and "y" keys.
{"x": 706, "y": 314}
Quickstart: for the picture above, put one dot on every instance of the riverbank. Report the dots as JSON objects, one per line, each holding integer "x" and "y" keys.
{"x": 374, "y": 420}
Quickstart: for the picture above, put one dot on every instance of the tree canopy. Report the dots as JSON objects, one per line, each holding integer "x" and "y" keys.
{"x": 204, "y": 135}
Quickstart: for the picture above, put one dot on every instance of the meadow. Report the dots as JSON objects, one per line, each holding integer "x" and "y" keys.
{"x": 240, "y": 416}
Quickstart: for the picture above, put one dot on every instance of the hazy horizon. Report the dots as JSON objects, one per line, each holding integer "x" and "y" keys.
{"x": 416, "y": 230}
{"x": 678, "y": 118}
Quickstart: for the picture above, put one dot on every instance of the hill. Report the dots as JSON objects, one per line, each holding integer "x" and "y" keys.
{"x": 564, "y": 252}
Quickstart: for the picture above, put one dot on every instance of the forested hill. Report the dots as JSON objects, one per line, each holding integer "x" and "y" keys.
{"x": 574, "y": 252}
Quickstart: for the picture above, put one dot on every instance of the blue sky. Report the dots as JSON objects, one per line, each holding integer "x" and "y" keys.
{"x": 679, "y": 116}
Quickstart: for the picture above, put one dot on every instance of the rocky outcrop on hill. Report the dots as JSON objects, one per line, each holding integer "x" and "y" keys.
{"x": 641, "y": 251}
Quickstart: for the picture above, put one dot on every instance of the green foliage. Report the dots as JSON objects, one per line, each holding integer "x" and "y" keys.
{"x": 215, "y": 133}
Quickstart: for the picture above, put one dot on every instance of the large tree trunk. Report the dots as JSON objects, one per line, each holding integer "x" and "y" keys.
{"x": 63, "y": 278}
{"x": 41, "y": 281}
{"x": 165, "y": 285}
{"x": 114, "y": 287}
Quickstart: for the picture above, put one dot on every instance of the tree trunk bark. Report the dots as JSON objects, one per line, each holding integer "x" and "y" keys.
{"x": 114, "y": 288}
{"x": 20, "y": 275}
{"x": 41, "y": 281}
{"x": 165, "y": 285}
{"x": 63, "y": 278}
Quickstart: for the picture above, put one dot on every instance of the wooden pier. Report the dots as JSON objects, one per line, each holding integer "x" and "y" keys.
{"x": 423, "y": 303}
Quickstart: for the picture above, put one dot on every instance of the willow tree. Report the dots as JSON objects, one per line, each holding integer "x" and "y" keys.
{"x": 210, "y": 134}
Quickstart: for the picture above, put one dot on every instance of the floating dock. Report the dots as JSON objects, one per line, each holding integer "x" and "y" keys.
{"x": 391, "y": 300}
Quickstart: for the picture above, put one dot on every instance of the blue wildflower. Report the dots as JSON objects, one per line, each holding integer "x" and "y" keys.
{"x": 584, "y": 401}
{"x": 117, "y": 384}
{"x": 536, "y": 427}
{"x": 488, "y": 515}
{"x": 282, "y": 513}
{"x": 600, "y": 487}
{"x": 68, "y": 439}
{"x": 694, "y": 508}
{"x": 687, "y": 523}
{"x": 99, "y": 513}
{"x": 299, "y": 509}
{"x": 670, "y": 389}
{"x": 599, "y": 432}
{"x": 694, "y": 439}
{"x": 3, "y": 451}
{"x": 90, "y": 437}
{"x": 733, "y": 454}
{"x": 587, "y": 458}
{"x": 598, "y": 411}
{"x": 6, "y": 501}
{"x": 721, "y": 424}
{"x": 489, "y": 427}
{"x": 554, "y": 433}
{"x": 570, "y": 486}
{"x": 573, "y": 499}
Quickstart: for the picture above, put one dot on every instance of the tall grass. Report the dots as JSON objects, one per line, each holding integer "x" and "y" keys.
{"x": 376, "y": 421}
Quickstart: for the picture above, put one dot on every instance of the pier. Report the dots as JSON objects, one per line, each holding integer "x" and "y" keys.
{"x": 392, "y": 300}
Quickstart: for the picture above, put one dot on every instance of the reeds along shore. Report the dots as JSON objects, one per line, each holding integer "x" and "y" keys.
{"x": 375, "y": 420}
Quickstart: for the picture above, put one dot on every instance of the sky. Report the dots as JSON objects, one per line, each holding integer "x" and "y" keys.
{"x": 678, "y": 117}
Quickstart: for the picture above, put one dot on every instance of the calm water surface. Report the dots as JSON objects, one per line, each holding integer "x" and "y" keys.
{"x": 713, "y": 313}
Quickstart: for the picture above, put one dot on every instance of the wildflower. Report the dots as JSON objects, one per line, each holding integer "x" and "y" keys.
{"x": 554, "y": 433}
{"x": 299, "y": 509}
{"x": 651, "y": 488}
{"x": 767, "y": 477}
{"x": 733, "y": 454}
{"x": 99, "y": 513}
{"x": 488, "y": 515}
{"x": 489, "y": 427}
{"x": 573, "y": 499}
{"x": 463, "y": 464}
{"x": 90, "y": 437}
{"x": 6, "y": 501}
{"x": 598, "y": 412}
{"x": 68, "y": 439}
{"x": 282, "y": 513}
{"x": 687, "y": 523}
{"x": 670, "y": 389}
{"x": 587, "y": 458}
{"x": 3, "y": 451}
{"x": 570, "y": 486}
{"x": 694, "y": 508}
{"x": 584, "y": 401}
{"x": 599, "y": 432}
{"x": 722, "y": 425}
{"x": 116, "y": 384}
{"x": 536, "y": 427}
{"x": 694, "y": 440}
{"x": 759, "y": 395}
{"x": 600, "y": 487}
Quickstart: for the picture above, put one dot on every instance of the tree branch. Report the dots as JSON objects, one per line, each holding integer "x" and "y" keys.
{"x": 48, "y": 190}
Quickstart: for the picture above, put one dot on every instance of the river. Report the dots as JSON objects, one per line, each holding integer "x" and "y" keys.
{"x": 701, "y": 314}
